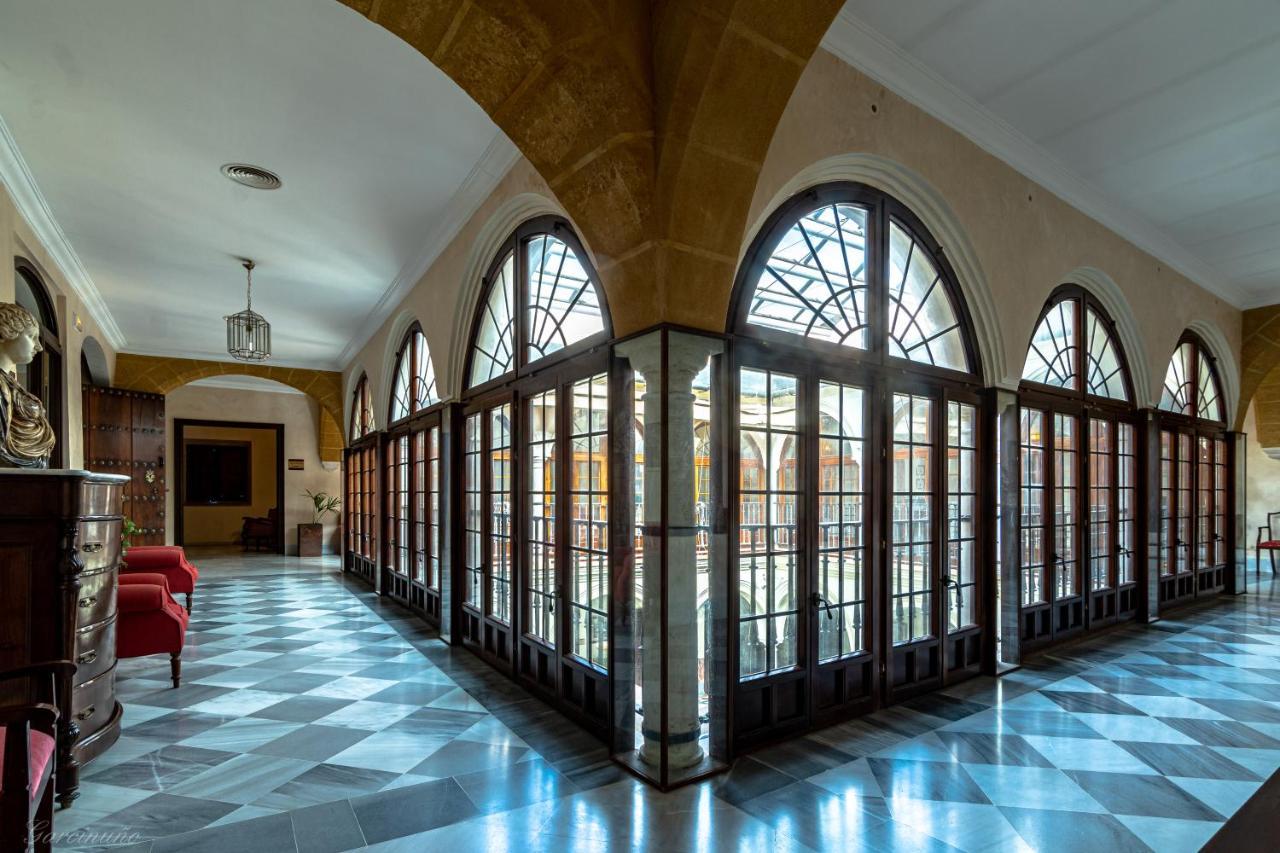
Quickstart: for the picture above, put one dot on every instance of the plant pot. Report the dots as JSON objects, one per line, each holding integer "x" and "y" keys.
{"x": 310, "y": 540}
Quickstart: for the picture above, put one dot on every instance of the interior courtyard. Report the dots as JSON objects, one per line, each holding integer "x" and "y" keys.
{"x": 676, "y": 425}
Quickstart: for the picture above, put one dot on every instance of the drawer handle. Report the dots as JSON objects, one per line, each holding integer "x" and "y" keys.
{"x": 86, "y": 713}
{"x": 88, "y": 657}
{"x": 89, "y": 601}
{"x": 92, "y": 547}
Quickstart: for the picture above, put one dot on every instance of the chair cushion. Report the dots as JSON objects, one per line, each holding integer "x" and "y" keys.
{"x": 41, "y": 752}
{"x": 144, "y": 578}
{"x": 141, "y": 597}
{"x": 1270, "y": 543}
{"x": 167, "y": 559}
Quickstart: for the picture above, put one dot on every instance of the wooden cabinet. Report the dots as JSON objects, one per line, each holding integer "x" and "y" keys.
{"x": 124, "y": 433}
{"x": 59, "y": 554}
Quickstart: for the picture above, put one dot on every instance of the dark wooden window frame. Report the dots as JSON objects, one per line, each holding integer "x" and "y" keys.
{"x": 782, "y": 704}
{"x": 1055, "y": 618}
{"x": 406, "y": 586}
{"x": 1180, "y": 587}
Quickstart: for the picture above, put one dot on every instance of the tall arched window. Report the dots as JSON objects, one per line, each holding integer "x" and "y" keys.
{"x": 1078, "y": 497}
{"x": 43, "y": 376}
{"x": 411, "y": 480}
{"x": 1195, "y": 477}
{"x": 361, "y": 462}
{"x": 855, "y": 379}
{"x": 535, "y": 469}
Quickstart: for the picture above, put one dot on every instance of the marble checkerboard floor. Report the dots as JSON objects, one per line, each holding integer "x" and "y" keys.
{"x": 314, "y": 716}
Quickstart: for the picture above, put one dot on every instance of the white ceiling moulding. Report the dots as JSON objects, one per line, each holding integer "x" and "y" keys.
{"x": 31, "y": 204}
{"x": 870, "y": 52}
{"x": 221, "y": 357}
{"x": 483, "y": 178}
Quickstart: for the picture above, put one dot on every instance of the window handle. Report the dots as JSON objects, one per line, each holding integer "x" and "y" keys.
{"x": 818, "y": 601}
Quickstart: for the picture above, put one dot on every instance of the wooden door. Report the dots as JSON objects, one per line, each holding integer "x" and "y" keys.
{"x": 124, "y": 433}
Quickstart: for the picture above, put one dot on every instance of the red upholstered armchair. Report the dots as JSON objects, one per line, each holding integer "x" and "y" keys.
{"x": 1268, "y": 542}
{"x": 168, "y": 560}
{"x": 150, "y": 622}
{"x": 28, "y": 742}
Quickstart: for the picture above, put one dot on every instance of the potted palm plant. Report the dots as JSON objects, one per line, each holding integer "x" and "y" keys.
{"x": 311, "y": 536}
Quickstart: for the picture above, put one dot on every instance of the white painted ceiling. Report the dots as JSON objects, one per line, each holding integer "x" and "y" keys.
{"x": 125, "y": 110}
{"x": 1160, "y": 118}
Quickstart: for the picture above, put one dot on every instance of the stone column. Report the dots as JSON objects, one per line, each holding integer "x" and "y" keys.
{"x": 1010, "y": 562}
{"x": 686, "y": 356}
{"x": 449, "y": 504}
{"x": 1149, "y": 433}
{"x": 1238, "y": 575}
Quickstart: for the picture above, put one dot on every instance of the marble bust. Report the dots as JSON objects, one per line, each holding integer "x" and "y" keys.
{"x": 26, "y": 439}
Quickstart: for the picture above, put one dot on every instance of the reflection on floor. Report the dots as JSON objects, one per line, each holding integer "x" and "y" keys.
{"x": 315, "y": 716}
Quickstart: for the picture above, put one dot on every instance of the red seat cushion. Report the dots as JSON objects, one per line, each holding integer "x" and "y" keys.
{"x": 1270, "y": 543}
{"x": 41, "y": 751}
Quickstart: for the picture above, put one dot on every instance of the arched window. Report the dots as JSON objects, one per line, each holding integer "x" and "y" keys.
{"x": 361, "y": 469}
{"x": 1195, "y": 477}
{"x": 415, "y": 378}
{"x": 540, "y": 299}
{"x": 43, "y": 376}
{"x": 1078, "y": 468}
{"x": 536, "y": 468}
{"x": 857, "y": 419}
{"x": 362, "y": 422}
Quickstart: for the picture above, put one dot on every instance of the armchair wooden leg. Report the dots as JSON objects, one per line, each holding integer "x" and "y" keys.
{"x": 175, "y": 667}
{"x": 1272, "y": 553}
{"x": 188, "y": 603}
{"x": 42, "y": 830}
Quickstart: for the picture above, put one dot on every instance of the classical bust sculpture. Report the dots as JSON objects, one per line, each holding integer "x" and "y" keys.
{"x": 26, "y": 439}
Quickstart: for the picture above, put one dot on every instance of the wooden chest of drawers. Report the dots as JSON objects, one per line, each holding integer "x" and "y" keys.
{"x": 59, "y": 554}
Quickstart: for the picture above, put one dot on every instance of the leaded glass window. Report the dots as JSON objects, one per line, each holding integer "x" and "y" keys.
{"x": 1052, "y": 357}
{"x": 1208, "y": 400}
{"x": 1104, "y": 376}
{"x": 415, "y": 383}
{"x": 361, "y": 410}
{"x": 493, "y": 351}
{"x": 1178, "y": 380}
{"x": 822, "y": 280}
{"x": 542, "y": 298}
{"x": 563, "y": 308}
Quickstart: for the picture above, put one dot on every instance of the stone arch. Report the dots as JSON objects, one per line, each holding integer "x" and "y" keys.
{"x": 1259, "y": 354}
{"x": 160, "y": 375}
{"x": 650, "y": 123}
{"x": 926, "y": 202}
{"x": 1104, "y": 288}
{"x": 95, "y": 358}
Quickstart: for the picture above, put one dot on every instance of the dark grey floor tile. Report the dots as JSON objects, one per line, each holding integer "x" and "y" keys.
{"x": 1090, "y": 703}
{"x": 293, "y": 682}
{"x": 925, "y": 780}
{"x": 944, "y": 707}
{"x": 164, "y": 814}
{"x": 270, "y": 834}
{"x": 1245, "y": 710}
{"x": 1054, "y": 830}
{"x": 1265, "y": 692}
{"x": 416, "y": 808}
{"x": 1136, "y": 685}
{"x": 1136, "y": 794}
{"x": 805, "y": 812}
{"x": 160, "y": 769}
{"x": 327, "y": 828}
{"x": 325, "y": 783}
{"x": 302, "y": 709}
{"x": 1048, "y": 724}
{"x": 1197, "y": 762}
{"x": 461, "y": 757}
{"x": 802, "y": 757}
{"x": 512, "y": 786}
{"x": 412, "y": 693}
{"x": 313, "y": 742}
{"x": 177, "y": 726}
{"x": 747, "y": 779}
{"x": 986, "y": 748}
{"x": 442, "y": 721}
{"x": 1222, "y": 733}
{"x": 182, "y": 697}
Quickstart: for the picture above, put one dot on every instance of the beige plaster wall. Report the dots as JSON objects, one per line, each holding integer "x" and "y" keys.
{"x": 18, "y": 239}
{"x": 1026, "y": 239}
{"x": 221, "y": 525}
{"x": 299, "y": 415}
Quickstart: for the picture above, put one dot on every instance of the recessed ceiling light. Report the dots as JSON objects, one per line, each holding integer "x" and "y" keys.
{"x": 254, "y": 177}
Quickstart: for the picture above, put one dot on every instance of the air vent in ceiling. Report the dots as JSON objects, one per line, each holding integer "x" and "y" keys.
{"x": 252, "y": 176}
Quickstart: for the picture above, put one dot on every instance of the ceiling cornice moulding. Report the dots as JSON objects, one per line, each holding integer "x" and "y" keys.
{"x": 478, "y": 185}
{"x": 31, "y": 204}
{"x": 222, "y": 357}
{"x": 869, "y": 51}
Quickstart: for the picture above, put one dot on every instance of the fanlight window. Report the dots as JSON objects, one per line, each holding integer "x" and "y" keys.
{"x": 818, "y": 282}
{"x": 361, "y": 411}
{"x": 563, "y": 308}
{"x": 415, "y": 385}
{"x": 1053, "y": 356}
{"x": 1178, "y": 380}
{"x": 542, "y": 299}
{"x": 1191, "y": 384}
